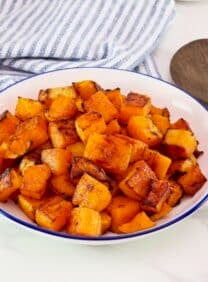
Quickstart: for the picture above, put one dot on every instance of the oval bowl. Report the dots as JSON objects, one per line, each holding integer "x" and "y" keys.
{"x": 163, "y": 94}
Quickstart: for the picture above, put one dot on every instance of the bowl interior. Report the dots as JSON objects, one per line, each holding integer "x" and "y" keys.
{"x": 162, "y": 94}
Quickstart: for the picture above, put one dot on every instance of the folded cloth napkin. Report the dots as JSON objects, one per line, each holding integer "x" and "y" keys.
{"x": 44, "y": 35}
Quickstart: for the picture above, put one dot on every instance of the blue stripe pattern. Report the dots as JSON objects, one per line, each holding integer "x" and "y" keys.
{"x": 44, "y": 35}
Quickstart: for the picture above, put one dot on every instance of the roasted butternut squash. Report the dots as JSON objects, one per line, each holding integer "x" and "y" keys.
{"x": 101, "y": 104}
{"x": 54, "y": 213}
{"x": 91, "y": 193}
{"x": 85, "y": 222}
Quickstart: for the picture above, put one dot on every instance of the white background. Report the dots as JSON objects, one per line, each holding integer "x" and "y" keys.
{"x": 179, "y": 254}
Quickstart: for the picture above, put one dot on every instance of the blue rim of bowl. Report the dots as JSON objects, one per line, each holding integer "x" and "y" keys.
{"x": 114, "y": 237}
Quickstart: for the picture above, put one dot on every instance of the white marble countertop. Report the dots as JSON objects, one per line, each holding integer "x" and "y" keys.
{"x": 178, "y": 254}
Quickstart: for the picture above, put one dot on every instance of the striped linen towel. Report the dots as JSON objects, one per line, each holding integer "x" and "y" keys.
{"x": 44, "y": 35}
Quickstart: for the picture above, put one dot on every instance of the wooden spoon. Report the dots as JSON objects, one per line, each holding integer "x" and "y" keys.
{"x": 189, "y": 69}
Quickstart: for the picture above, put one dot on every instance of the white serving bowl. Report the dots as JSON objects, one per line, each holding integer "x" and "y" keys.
{"x": 162, "y": 94}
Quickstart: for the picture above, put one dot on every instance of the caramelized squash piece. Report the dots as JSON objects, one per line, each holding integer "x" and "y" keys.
{"x": 85, "y": 221}
{"x": 138, "y": 180}
{"x": 62, "y": 185}
{"x": 192, "y": 180}
{"x": 54, "y": 213}
{"x": 62, "y": 133}
{"x": 29, "y": 205}
{"x": 82, "y": 165}
{"x": 181, "y": 166}
{"x": 10, "y": 181}
{"x": 179, "y": 143}
{"x": 63, "y": 107}
{"x": 8, "y": 124}
{"x": 89, "y": 123}
{"x": 122, "y": 210}
{"x": 76, "y": 149}
{"x": 162, "y": 213}
{"x": 139, "y": 222}
{"x": 86, "y": 88}
{"x": 176, "y": 193}
{"x": 158, "y": 162}
{"x": 113, "y": 127}
{"x": 159, "y": 111}
{"x": 115, "y": 97}
{"x": 138, "y": 148}
{"x": 134, "y": 105}
{"x": 57, "y": 159}
{"x": 159, "y": 192}
{"x": 91, "y": 193}
{"x": 28, "y": 135}
{"x": 161, "y": 122}
{"x": 28, "y": 108}
{"x": 35, "y": 180}
{"x": 47, "y": 96}
{"x": 101, "y": 104}
{"x": 142, "y": 128}
{"x": 181, "y": 124}
{"x": 28, "y": 160}
{"x": 105, "y": 221}
{"x": 109, "y": 152}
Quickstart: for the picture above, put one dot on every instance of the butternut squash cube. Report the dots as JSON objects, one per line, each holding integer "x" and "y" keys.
{"x": 122, "y": 210}
{"x": 25, "y": 138}
{"x": 159, "y": 192}
{"x": 28, "y": 135}
{"x": 176, "y": 193}
{"x": 89, "y": 123}
{"x": 54, "y": 213}
{"x": 137, "y": 182}
{"x": 10, "y": 181}
{"x": 63, "y": 107}
{"x": 179, "y": 143}
{"x": 101, "y": 104}
{"x": 62, "y": 133}
{"x": 161, "y": 122}
{"x": 105, "y": 221}
{"x": 192, "y": 180}
{"x": 86, "y": 88}
{"x": 91, "y": 193}
{"x": 162, "y": 213}
{"x": 35, "y": 180}
{"x": 109, "y": 152}
{"x": 115, "y": 97}
{"x": 28, "y": 160}
{"x": 138, "y": 148}
{"x": 82, "y": 165}
{"x": 85, "y": 221}
{"x": 142, "y": 128}
{"x": 28, "y": 108}
{"x": 8, "y": 124}
{"x": 76, "y": 149}
{"x": 113, "y": 127}
{"x": 181, "y": 166}
{"x": 158, "y": 162}
{"x": 29, "y": 205}
{"x": 47, "y": 96}
{"x": 180, "y": 124}
{"x": 57, "y": 159}
{"x": 134, "y": 105}
{"x": 62, "y": 185}
{"x": 139, "y": 222}
{"x": 159, "y": 111}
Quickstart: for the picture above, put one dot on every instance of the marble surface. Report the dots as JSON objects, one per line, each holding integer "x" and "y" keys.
{"x": 178, "y": 254}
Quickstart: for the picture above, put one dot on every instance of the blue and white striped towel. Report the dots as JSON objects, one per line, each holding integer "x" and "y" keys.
{"x": 43, "y": 35}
